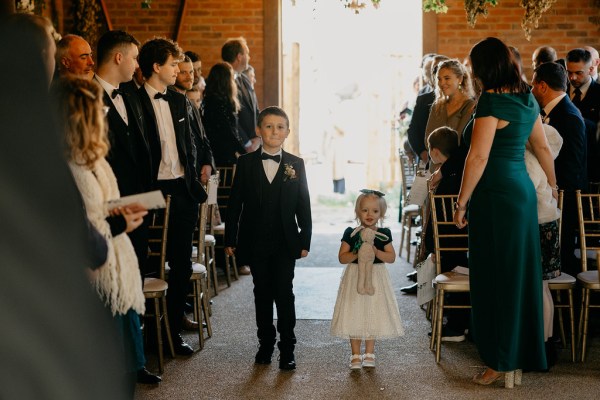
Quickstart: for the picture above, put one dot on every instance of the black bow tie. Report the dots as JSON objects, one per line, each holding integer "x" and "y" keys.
{"x": 164, "y": 96}
{"x": 115, "y": 93}
{"x": 275, "y": 158}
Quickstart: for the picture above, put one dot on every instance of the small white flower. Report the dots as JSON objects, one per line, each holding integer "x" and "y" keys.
{"x": 289, "y": 172}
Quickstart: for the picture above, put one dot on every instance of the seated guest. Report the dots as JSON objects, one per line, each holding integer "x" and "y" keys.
{"x": 444, "y": 150}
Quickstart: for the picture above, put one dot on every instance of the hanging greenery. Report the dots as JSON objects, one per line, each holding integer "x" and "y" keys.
{"x": 86, "y": 19}
{"x": 533, "y": 11}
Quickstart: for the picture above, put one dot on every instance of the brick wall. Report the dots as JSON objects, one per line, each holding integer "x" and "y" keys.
{"x": 206, "y": 25}
{"x": 568, "y": 24}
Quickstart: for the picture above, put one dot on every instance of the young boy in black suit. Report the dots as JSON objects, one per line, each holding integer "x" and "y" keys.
{"x": 268, "y": 227}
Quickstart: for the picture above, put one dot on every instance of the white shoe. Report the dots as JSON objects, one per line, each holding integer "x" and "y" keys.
{"x": 368, "y": 360}
{"x": 355, "y": 362}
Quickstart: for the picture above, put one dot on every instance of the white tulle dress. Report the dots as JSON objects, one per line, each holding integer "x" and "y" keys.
{"x": 361, "y": 316}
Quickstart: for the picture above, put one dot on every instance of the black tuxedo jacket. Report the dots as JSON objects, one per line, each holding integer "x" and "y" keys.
{"x": 590, "y": 110}
{"x": 570, "y": 165}
{"x": 204, "y": 155}
{"x": 248, "y": 114}
{"x": 243, "y": 211}
{"x": 590, "y": 105}
{"x": 183, "y": 137}
{"x": 129, "y": 154}
{"x": 129, "y": 87}
{"x": 418, "y": 122}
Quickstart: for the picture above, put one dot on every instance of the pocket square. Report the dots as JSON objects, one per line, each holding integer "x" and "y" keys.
{"x": 182, "y": 119}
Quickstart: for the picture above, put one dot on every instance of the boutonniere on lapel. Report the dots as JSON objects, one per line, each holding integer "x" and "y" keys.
{"x": 289, "y": 172}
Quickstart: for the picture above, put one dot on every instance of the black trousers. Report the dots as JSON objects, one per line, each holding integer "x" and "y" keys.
{"x": 183, "y": 219}
{"x": 569, "y": 263}
{"x": 272, "y": 274}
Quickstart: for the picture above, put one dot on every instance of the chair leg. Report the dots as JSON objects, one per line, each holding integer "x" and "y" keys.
{"x": 410, "y": 225}
{"x": 586, "y": 310}
{"x": 159, "y": 343}
{"x": 402, "y": 226}
{"x": 434, "y": 305}
{"x": 215, "y": 280}
{"x": 572, "y": 323}
{"x": 206, "y": 308}
{"x": 234, "y": 267}
{"x": 198, "y": 311}
{"x": 438, "y": 334}
{"x": 561, "y": 324}
{"x": 165, "y": 318}
{"x": 227, "y": 269}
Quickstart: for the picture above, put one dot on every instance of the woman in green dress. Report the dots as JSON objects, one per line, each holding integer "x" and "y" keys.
{"x": 504, "y": 244}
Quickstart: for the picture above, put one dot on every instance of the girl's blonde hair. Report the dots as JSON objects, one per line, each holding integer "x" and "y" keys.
{"x": 380, "y": 200}
{"x": 81, "y": 108}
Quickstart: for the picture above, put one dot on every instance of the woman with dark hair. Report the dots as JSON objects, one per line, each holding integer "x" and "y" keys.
{"x": 220, "y": 110}
{"x": 504, "y": 244}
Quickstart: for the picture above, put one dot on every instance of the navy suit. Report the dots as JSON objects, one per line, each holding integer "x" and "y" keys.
{"x": 270, "y": 224}
{"x": 571, "y": 174}
{"x": 186, "y": 193}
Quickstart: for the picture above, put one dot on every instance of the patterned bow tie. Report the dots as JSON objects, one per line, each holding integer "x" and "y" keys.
{"x": 276, "y": 158}
{"x": 115, "y": 93}
{"x": 164, "y": 96}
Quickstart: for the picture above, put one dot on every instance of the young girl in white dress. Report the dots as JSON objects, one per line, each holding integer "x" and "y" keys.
{"x": 366, "y": 316}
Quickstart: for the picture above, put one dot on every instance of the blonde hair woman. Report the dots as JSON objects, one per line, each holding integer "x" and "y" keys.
{"x": 118, "y": 282}
{"x": 454, "y": 100}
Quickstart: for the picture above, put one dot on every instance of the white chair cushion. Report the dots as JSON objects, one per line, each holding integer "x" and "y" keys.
{"x": 452, "y": 278}
{"x": 154, "y": 285}
{"x": 411, "y": 208}
{"x": 209, "y": 239}
{"x": 198, "y": 268}
{"x": 589, "y": 278}
{"x": 562, "y": 278}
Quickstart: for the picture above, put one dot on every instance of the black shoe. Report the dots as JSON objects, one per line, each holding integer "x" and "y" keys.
{"x": 264, "y": 354}
{"x": 287, "y": 362}
{"x": 181, "y": 347}
{"x": 146, "y": 377}
{"x": 411, "y": 289}
{"x": 551, "y": 354}
{"x": 412, "y": 276}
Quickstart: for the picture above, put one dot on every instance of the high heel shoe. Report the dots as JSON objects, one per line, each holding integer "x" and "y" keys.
{"x": 511, "y": 378}
{"x": 482, "y": 379}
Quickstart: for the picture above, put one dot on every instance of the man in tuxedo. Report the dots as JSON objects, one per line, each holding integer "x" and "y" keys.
{"x": 204, "y": 158}
{"x": 237, "y": 54}
{"x": 268, "y": 227}
{"x": 549, "y": 89}
{"x": 129, "y": 155}
{"x": 584, "y": 92}
{"x": 74, "y": 56}
{"x": 173, "y": 168}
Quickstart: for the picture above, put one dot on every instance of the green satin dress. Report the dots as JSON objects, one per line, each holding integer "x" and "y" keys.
{"x": 504, "y": 244}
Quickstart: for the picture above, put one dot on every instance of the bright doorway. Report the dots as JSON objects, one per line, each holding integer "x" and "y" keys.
{"x": 347, "y": 76}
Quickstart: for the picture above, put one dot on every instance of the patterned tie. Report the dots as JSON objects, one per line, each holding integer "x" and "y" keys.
{"x": 544, "y": 115}
{"x": 576, "y": 97}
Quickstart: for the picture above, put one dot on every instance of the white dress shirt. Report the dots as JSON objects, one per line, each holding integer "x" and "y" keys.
{"x": 271, "y": 166}
{"x": 117, "y": 100}
{"x": 170, "y": 166}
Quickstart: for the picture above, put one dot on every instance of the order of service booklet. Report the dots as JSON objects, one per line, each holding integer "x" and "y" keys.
{"x": 150, "y": 200}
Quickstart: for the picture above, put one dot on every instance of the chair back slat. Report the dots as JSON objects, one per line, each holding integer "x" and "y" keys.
{"x": 157, "y": 240}
{"x": 588, "y": 210}
{"x": 225, "y": 177}
{"x": 407, "y": 173}
{"x": 442, "y": 214}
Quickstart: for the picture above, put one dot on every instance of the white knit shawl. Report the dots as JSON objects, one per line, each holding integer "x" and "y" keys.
{"x": 118, "y": 282}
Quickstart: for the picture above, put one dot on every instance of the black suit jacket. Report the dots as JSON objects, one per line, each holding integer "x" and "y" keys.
{"x": 590, "y": 110}
{"x": 418, "y": 122}
{"x": 204, "y": 155}
{"x": 248, "y": 115}
{"x": 183, "y": 137}
{"x": 243, "y": 212}
{"x": 570, "y": 165}
{"x": 129, "y": 154}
